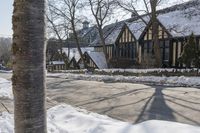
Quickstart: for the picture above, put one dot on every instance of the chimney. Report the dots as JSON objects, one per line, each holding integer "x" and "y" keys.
{"x": 85, "y": 24}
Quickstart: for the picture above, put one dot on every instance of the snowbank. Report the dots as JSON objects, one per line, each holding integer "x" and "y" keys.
{"x": 5, "y": 89}
{"x": 5, "y": 71}
{"x": 66, "y": 119}
{"x": 157, "y": 70}
{"x": 153, "y": 80}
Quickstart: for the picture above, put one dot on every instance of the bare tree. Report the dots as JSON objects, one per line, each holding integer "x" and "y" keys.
{"x": 102, "y": 11}
{"x": 155, "y": 32}
{"x": 29, "y": 66}
{"x": 57, "y": 26}
{"x": 67, "y": 9}
{"x": 150, "y": 10}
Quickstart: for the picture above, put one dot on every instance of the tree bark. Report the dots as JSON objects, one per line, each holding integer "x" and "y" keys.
{"x": 155, "y": 33}
{"x": 104, "y": 45}
{"x": 29, "y": 66}
{"x": 78, "y": 45}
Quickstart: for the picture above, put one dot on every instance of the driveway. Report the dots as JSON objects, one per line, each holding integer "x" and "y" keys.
{"x": 129, "y": 102}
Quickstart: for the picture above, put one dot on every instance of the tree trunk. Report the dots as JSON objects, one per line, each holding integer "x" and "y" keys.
{"x": 155, "y": 33}
{"x": 29, "y": 66}
{"x": 104, "y": 45}
{"x": 78, "y": 45}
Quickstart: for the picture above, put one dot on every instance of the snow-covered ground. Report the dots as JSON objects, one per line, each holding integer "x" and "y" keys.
{"x": 66, "y": 119}
{"x": 5, "y": 89}
{"x": 155, "y": 80}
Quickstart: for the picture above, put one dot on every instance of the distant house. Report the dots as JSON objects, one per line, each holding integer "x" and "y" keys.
{"x": 74, "y": 56}
{"x": 56, "y": 65}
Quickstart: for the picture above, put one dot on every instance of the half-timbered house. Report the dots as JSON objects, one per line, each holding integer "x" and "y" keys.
{"x": 129, "y": 42}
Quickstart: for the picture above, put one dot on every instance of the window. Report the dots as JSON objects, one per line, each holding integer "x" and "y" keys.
{"x": 174, "y": 53}
{"x": 127, "y": 50}
{"x": 166, "y": 54}
{"x": 199, "y": 44}
{"x": 179, "y": 49}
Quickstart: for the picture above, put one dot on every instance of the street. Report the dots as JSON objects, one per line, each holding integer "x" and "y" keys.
{"x": 128, "y": 102}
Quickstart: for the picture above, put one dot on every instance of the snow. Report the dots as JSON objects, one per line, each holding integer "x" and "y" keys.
{"x": 99, "y": 59}
{"x": 73, "y": 52}
{"x": 57, "y": 62}
{"x": 182, "y": 22}
{"x": 66, "y": 119}
{"x": 111, "y": 32}
{"x": 138, "y": 26}
{"x": 112, "y": 36}
{"x": 5, "y": 89}
{"x": 158, "y": 70}
{"x": 6, "y": 123}
{"x": 5, "y": 71}
{"x": 153, "y": 70}
{"x": 154, "y": 80}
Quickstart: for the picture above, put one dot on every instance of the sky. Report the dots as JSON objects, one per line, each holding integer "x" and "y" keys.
{"x": 6, "y": 9}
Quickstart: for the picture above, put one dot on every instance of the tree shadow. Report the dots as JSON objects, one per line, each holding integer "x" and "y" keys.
{"x": 112, "y": 96}
{"x": 157, "y": 109}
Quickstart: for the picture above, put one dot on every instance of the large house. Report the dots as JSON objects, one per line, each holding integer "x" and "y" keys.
{"x": 129, "y": 42}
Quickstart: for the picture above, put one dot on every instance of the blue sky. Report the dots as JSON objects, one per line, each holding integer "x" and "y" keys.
{"x": 6, "y": 8}
{"x": 6, "y": 17}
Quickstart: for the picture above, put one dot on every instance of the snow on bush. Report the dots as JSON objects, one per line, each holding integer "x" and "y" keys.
{"x": 66, "y": 119}
{"x": 155, "y": 70}
{"x": 171, "y": 81}
{"x": 5, "y": 89}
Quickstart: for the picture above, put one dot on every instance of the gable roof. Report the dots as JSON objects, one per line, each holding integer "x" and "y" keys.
{"x": 83, "y": 32}
{"x": 179, "y": 20}
{"x": 73, "y": 52}
{"x": 99, "y": 59}
{"x": 138, "y": 26}
{"x": 111, "y": 33}
{"x": 183, "y": 20}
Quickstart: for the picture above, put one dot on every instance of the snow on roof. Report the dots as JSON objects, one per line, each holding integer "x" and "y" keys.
{"x": 137, "y": 26}
{"x": 85, "y": 31}
{"x": 73, "y": 52}
{"x": 111, "y": 33}
{"x": 99, "y": 59}
{"x": 183, "y": 21}
{"x": 180, "y": 20}
{"x": 57, "y": 62}
{"x": 112, "y": 37}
